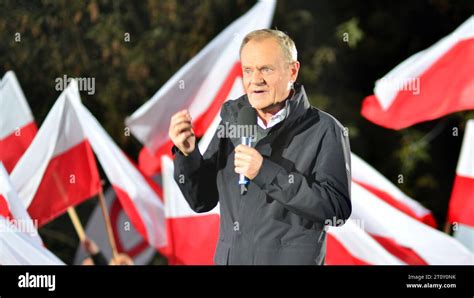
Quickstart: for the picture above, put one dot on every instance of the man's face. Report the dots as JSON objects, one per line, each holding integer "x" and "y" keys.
{"x": 267, "y": 75}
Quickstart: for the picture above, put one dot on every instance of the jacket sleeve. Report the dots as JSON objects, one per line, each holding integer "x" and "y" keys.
{"x": 324, "y": 197}
{"x": 196, "y": 175}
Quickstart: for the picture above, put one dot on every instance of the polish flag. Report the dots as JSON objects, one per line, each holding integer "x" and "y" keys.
{"x": 58, "y": 170}
{"x": 406, "y": 238}
{"x": 17, "y": 126}
{"x": 461, "y": 205}
{"x": 20, "y": 243}
{"x": 428, "y": 85}
{"x": 370, "y": 179}
{"x": 138, "y": 196}
{"x": 201, "y": 85}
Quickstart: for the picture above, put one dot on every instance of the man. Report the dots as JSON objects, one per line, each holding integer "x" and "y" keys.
{"x": 299, "y": 168}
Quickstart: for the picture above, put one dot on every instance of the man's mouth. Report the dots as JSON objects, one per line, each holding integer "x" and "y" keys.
{"x": 259, "y": 91}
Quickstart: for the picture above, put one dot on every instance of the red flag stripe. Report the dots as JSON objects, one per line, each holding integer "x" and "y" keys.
{"x": 4, "y": 209}
{"x": 403, "y": 253}
{"x": 70, "y": 178}
{"x": 200, "y": 242}
{"x": 13, "y": 146}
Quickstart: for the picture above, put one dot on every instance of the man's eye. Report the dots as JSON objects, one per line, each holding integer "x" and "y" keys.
{"x": 266, "y": 70}
{"x": 247, "y": 71}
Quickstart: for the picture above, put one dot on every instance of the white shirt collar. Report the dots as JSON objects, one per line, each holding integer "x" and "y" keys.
{"x": 277, "y": 118}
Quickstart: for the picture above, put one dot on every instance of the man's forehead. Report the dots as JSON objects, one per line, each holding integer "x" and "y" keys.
{"x": 262, "y": 49}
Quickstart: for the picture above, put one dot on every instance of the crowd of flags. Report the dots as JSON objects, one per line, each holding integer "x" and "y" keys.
{"x": 45, "y": 171}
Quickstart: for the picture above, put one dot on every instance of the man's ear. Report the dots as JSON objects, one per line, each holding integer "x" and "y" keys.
{"x": 294, "y": 69}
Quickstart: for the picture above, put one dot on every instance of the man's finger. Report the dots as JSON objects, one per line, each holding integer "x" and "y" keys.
{"x": 242, "y": 148}
{"x": 180, "y": 113}
{"x": 180, "y": 119}
{"x": 243, "y": 157}
{"x": 183, "y": 136}
{"x": 240, "y": 163}
{"x": 182, "y": 127}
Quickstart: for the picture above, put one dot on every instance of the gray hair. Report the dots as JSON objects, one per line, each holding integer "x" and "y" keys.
{"x": 286, "y": 43}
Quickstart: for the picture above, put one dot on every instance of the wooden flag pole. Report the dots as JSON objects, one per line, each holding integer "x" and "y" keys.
{"x": 108, "y": 225}
{"x": 447, "y": 228}
{"x": 71, "y": 211}
{"x": 76, "y": 223}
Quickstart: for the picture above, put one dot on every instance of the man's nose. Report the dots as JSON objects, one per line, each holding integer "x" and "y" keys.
{"x": 257, "y": 78}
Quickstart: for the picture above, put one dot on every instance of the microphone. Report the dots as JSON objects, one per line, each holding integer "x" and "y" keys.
{"x": 246, "y": 119}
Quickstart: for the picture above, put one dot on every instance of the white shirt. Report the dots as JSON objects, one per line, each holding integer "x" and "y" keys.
{"x": 277, "y": 118}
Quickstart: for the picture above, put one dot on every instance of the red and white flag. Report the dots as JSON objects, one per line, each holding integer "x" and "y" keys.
{"x": 428, "y": 85}
{"x": 461, "y": 205}
{"x": 20, "y": 243}
{"x": 371, "y": 179}
{"x": 406, "y": 238}
{"x": 17, "y": 126}
{"x": 137, "y": 195}
{"x": 58, "y": 170}
{"x": 201, "y": 86}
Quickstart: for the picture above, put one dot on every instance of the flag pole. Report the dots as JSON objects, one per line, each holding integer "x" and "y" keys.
{"x": 71, "y": 211}
{"x": 447, "y": 227}
{"x": 108, "y": 225}
{"x": 76, "y": 223}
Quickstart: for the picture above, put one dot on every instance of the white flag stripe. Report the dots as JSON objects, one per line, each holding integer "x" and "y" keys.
{"x": 14, "y": 109}
{"x": 363, "y": 172}
{"x": 175, "y": 204}
{"x": 20, "y": 243}
{"x": 465, "y": 165}
{"x": 16, "y": 248}
{"x": 236, "y": 91}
